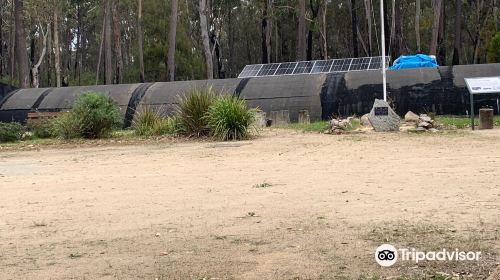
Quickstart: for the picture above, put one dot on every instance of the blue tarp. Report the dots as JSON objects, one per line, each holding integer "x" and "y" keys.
{"x": 414, "y": 61}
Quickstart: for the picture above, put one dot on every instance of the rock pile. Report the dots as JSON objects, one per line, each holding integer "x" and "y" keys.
{"x": 422, "y": 122}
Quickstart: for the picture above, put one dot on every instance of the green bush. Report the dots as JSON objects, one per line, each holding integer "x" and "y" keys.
{"x": 148, "y": 122}
{"x": 66, "y": 126}
{"x": 42, "y": 128}
{"x": 192, "y": 111}
{"x": 10, "y": 132}
{"x": 229, "y": 118}
{"x": 96, "y": 114}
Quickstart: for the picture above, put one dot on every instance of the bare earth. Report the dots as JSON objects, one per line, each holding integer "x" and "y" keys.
{"x": 189, "y": 210}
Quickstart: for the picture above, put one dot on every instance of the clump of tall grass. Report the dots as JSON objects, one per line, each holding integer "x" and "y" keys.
{"x": 192, "y": 111}
{"x": 229, "y": 118}
{"x": 150, "y": 122}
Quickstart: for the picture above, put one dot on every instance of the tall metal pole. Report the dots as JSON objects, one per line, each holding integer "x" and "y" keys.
{"x": 384, "y": 71}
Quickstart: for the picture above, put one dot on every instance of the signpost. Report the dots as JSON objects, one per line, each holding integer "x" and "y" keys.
{"x": 484, "y": 85}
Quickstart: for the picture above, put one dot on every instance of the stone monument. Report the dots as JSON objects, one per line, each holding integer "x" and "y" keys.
{"x": 383, "y": 118}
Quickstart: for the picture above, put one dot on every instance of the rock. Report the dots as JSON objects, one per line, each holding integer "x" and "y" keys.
{"x": 411, "y": 117}
{"x": 425, "y": 125}
{"x": 280, "y": 117}
{"x": 383, "y": 118}
{"x": 433, "y": 130}
{"x": 425, "y": 118}
{"x": 364, "y": 121}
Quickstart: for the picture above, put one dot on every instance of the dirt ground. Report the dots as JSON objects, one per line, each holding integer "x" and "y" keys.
{"x": 192, "y": 210}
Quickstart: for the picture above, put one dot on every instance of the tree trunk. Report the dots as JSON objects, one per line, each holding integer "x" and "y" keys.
{"x": 441, "y": 52}
{"x": 267, "y": 28}
{"x": 1, "y": 38}
{"x": 203, "y": 11}
{"x": 117, "y": 42}
{"x": 36, "y": 67}
{"x": 323, "y": 40}
{"x": 302, "y": 32}
{"x": 458, "y": 31}
{"x": 172, "y": 41}
{"x": 396, "y": 30}
{"x": 108, "y": 70}
{"x": 436, "y": 24}
{"x": 418, "y": 12}
{"x": 12, "y": 49}
{"x": 78, "y": 46}
{"x": 101, "y": 47}
{"x": 21, "y": 55}
{"x": 495, "y": 14}
{"x": 49, "y": 55}
{"x": 368, "y": 12}
{"x": 57, "y": 53}
{"x": 387, "y": 26}
{"x": 354, "y": 25}
{"x": 139, "y": 41}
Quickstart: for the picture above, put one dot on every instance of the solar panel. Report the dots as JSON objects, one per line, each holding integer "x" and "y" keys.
{"x": 303, "y": 67}
{"x": 341, "y": 65}
{"x": 268, "y": 69}
{"x": 286, "y": 68}
{"x": 359, "y": 64}
{"x": 250, "y": 71}
{"x": 322, "y": 66}
{"x": 312, "y": 67}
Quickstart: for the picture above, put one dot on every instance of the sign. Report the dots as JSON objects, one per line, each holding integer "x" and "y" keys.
{"x": 483, "y": 85}
{"x": 381, "y": 111}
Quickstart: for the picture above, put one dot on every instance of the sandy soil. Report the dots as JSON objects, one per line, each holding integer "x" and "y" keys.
{"x": 177, "y": 210}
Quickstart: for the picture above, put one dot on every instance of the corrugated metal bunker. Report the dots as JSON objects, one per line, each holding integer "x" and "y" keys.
{"x": 439, "y": 90}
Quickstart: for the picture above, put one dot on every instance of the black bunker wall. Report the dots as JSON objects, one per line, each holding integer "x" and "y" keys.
{"x": 440, "y": 90}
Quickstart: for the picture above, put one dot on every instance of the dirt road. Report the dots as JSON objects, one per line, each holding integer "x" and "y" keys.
{"x": 193, "y": 210}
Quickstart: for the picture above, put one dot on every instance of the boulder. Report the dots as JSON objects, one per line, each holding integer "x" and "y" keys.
{"x": 425, "y": 118}
{"x": 364, "y": 121}
{"x": 383, "y": 118}
{"x": 411, "y": 117}
{"x": 425, "y": 125}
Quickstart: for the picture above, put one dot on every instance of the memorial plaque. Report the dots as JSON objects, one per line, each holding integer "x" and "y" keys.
{"x": 383, "y": 118}
{"x": 381, "y": 111}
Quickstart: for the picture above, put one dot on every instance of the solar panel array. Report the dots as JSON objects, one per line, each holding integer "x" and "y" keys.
{"x": 313, "y": 67}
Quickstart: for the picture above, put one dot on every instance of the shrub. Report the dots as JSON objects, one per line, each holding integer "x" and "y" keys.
{"x": 96, "y": 114}
{"x": 229, "y": 118}
{"x": 10, "y": 132}
{"x": 66, "y": 126}
{"x": 42, "y": 128}
{"x": 192, "y": 111}
{"x": 149, "y": 122}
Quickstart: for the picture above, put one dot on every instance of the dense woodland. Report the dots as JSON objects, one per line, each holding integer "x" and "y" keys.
{"x": 46, "y": 43}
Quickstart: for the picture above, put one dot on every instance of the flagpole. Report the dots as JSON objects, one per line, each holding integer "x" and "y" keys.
{"x": 384, "y": 71}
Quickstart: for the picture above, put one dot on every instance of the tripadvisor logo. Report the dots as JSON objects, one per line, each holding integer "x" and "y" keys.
{"x": 387, "y": 255}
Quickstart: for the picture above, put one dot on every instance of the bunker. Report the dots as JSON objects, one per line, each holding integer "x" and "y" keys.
{"x": 440, "y": 90}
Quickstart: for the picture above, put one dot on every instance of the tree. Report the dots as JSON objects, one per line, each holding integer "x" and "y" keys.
{"x": 108, "y": 72}
{"x": 57, "y": 47}
{"x": 2, "y": 4}
{"x": 34, "y": 70}
{"x": 117, "y": 42}
{"x": 458, "y": 31}
{"x": 396, "y": 30}
{"x": 368, "y": 13}
{"x": 267, "y": 29}
{"x": 354, "y": 26}
{"x": 301, "y": 35}
{"x": 203, "y": 11}
{"x": 418, "y": 12}
{"x": 436, "y": 25}
{"x": 21, "y": 54}
{"x": 171, "y": 41}
{"x": 139, "y": 41}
